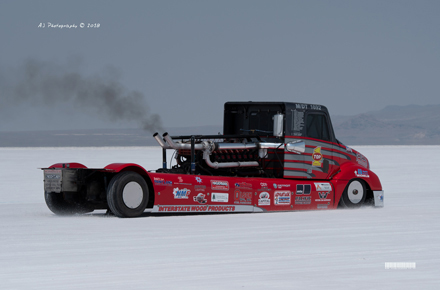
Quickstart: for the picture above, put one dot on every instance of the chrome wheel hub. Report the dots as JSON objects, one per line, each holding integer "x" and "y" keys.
{"x": 132, "y": 195}
{"x": 355, "y": 192}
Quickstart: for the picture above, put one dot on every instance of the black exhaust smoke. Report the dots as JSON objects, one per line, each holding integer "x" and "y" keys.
{"x": 48, "y": 84}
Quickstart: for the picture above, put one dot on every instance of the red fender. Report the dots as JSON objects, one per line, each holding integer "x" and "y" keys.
{"x": 350, "y": 171}
{"x": 119, "y": 167}
{"x": 68, "y": 165}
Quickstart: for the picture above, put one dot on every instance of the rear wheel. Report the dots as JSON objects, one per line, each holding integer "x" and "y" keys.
{"x": 354, "y": 194}
{"x": 56, "y": 202}
{"x": 127, "y": 194}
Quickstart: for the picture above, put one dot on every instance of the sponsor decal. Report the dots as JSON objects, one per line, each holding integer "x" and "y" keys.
{"x": 323, "y": 196}
{"x": 196, "y": 208}
{"x": 180, "y": 179}
{"x": 303, "y": 189}
{"x": 322, "y": 206}
{"x": 303, "y": 200}
{"x": 317, "y": 157}
{"x": 323, "y": 189}
{"x": 219, "y": 185}
{"x": 174, "y": 208}
{"x": 181, "y": 193}
{"x": 281, "y": 186}
{"x": 199, "y": 180}
{"x": 220, "y": 208}
{"x": 242, "y": 197}
{"x": 52, "y": 180}
{"x": 200, "y": 198}
{"x": 162, "y": 182}
{"x": 362, "y": 160}
{"x": 219, "y": 197}
{"x": 199, "y": 187}
{"x": 323, "y": 186}
{"x": 264, "y": 187}
{"x": 361, "y": 173}
{"x": 282, "y": 197}
{"x": 243, "y": 185}
{"x": 264, "y": 199}
{"x": 53, "y": 174}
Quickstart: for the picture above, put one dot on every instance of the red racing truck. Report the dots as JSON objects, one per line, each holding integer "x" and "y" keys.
{"x": 272, "y": 156}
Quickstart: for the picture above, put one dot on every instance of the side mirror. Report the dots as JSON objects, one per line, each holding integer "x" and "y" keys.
{"x": 297, "y": 147}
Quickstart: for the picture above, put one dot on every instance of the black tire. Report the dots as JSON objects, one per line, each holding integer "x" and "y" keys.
{"x": 58, "y": 205}
{"x": 127, "y": 194}
{"x": 354, "y": 194}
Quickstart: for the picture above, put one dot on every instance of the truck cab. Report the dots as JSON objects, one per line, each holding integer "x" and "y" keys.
{"x": 272, "y": 156}
{"x": 300, "y": 125}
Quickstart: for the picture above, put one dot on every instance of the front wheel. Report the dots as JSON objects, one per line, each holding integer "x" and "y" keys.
{"x": 127, "y": 194}
{"x": 354, "y": 194}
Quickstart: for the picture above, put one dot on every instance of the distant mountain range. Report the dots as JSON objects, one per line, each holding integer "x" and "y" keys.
{"x": 393, "y": 125}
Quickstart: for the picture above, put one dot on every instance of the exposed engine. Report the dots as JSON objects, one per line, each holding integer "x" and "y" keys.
{"x": 223, "y": 155}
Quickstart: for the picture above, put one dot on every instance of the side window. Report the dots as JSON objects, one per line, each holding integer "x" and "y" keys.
{"x": 316, "y": 127}
{"x": 261, "y": 123}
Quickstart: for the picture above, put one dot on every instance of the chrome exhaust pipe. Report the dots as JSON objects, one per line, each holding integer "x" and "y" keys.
{"x": 178, "y": 146}
{"x": 235, "y": 146}
{"x": 160, "y": 141}
{"x": 268, "y": 145}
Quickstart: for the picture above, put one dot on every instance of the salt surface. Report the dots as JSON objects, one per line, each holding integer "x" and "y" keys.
{"x": 339, "y": 249}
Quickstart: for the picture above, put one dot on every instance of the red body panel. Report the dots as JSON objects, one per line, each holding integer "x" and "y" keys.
{"x": 201, "y": 193}
{"x": 118, "y": 167}
{"x": 310, "y": 164}
{"x": 350, "y": 171}
{"x": 68, "y": 165}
